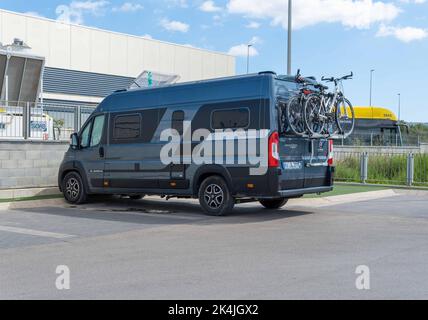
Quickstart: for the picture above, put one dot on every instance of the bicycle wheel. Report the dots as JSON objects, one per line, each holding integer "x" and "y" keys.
{"x": 345, "y": 117}
{"x": 295, "y": 116}
{"x": 314, "y": 115}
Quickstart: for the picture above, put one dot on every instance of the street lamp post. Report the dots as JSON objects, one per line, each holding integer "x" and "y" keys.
{"x": 371, "y": 85}
{"x": 289, "y": 37}
{"x": 248, "y": 57}
{"x": 399, "y": 107}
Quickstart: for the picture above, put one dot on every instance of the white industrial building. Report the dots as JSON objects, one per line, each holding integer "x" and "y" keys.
{"x": 84, "y": 64}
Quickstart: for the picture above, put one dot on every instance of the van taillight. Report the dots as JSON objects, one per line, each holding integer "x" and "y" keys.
{"x": 330, "y": 153}
{"x": 273, "y": 150}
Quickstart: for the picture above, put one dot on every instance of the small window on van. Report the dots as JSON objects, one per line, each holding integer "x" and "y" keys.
{"x": 84, "y": 136}
{"x": 230, "y": 119}
{"x": 97, "y": 130}
{"x": 127, "y": 126}
{"x": 177, "y": 121}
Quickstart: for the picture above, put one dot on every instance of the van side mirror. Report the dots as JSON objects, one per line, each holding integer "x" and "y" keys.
{"x": 74, "y": 141}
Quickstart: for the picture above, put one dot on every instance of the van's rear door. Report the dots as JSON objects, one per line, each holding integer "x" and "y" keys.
{"x": 291, "y": 151}
{"x": 316, "y": 166}
{"x": 303, "y": 163}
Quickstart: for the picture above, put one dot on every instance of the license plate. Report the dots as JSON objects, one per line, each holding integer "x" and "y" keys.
{"x": 292, "y": 165}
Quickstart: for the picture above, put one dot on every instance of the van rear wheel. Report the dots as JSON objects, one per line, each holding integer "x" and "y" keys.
{"x": 273, "y": 203}
{"x": 73, "y": 188}
{"x": 215, "y": 197}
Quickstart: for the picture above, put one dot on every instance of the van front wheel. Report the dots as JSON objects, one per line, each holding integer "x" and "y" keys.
{"x": 215, "y": 197}
{"x": 274, "y": 203}
{"x": 73, "y": 188}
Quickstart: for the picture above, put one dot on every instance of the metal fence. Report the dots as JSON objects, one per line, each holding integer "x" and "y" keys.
{"x": 372, "y": 139}
{"x": 41, "y": 121}
{"x": 382, "y": 168}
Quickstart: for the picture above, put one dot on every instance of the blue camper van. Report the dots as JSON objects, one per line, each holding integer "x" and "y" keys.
{"x": 223, "y": 141}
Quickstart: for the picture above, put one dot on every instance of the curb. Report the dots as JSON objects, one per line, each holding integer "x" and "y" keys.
{"x": 390, "y": 186}
{"x": 344, "y": 198}
{"x": 28, "y": 192}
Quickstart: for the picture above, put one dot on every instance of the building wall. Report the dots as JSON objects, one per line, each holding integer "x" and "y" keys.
{"x": 88, "y": 49}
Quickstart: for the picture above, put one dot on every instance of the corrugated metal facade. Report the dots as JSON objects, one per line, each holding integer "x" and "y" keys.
{"x": 64, "y": 81}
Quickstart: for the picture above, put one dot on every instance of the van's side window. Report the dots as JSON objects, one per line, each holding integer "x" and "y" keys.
{"x": 127, "y": 126}
{"x": 97, "y": 130}
{"x": 177, "y": 121}
{"x": 84, "y": 136}
{"x": 230, "y": 119}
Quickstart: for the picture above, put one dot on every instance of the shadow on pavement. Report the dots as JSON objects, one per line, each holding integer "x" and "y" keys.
{"x": 162, "y": 212}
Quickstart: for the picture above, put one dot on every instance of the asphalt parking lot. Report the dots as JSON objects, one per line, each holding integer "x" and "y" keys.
{"x": 153, "y": 249}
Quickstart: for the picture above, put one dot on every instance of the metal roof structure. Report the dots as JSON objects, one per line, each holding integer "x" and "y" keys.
{"x": 20, "y": 72}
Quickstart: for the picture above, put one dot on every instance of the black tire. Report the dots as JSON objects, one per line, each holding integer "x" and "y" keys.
{"x": 314, "y": 115}
{"x": 273, "y": 203}
{"x": 136, "y": 196}
{"x": 295, "y": 119}
{"x": 73, "y": 188}
{"x": 345, "y": 117}
{"x": 215, "y": 197}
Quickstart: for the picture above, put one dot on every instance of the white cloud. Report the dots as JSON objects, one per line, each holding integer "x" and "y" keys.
{"x": 413, "y": 1}
{"x": 172, "y": 25}
{"x": 209, "y": 6}
{"x": 177, "y": 3}
{"x": 255, "y": 40}
{"x": 360, "y": 14}
{"x": 241, "y": 50}
{"x": 128, "y": 7}
{"x": 253, "y": 25}
{"x": 404, "y": 34}
{"x": 147, "y": 36}
{"x": 74, "y": 12}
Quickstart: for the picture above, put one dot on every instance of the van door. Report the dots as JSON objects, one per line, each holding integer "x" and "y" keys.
{"x": 292, "y": 151}
{"x": 91, "y": 152}
{"x": 316, "y": 166}
{"x": 132, "y": 158}
{"x": 177, "y": 171}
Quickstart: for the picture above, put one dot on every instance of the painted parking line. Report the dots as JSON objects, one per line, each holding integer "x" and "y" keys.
{"x": 33, "y": 232}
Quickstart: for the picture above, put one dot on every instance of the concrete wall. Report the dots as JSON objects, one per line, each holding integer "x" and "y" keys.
{"x": 30, "y": 164}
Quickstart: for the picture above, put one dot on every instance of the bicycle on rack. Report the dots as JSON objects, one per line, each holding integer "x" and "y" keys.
{"x": 294, "y": 108}
{"x": 329, "y": 113}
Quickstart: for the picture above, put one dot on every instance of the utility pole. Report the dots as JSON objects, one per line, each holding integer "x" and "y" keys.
{"x": 289, "y": 37}
{"x": 399, "y": 107}
{"x": 371, "y": 85}
{"x": 248, "y": 57}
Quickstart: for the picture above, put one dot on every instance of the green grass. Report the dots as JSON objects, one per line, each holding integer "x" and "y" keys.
{"x": 340, "y": 189}
{"x": 53, "y": 196}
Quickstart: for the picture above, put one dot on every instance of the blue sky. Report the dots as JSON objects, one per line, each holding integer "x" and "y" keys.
{"x": 331, "y": 37}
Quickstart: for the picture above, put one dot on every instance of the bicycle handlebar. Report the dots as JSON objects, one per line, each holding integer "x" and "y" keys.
{"x": 332, "y": 79}
{"x": 327, "y": 79}
{"x": 349, "y": 76}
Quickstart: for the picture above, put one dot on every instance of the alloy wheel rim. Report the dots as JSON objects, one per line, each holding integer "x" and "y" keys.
{"x": 214, "y": 196}
{"x": 72, "y": 188}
